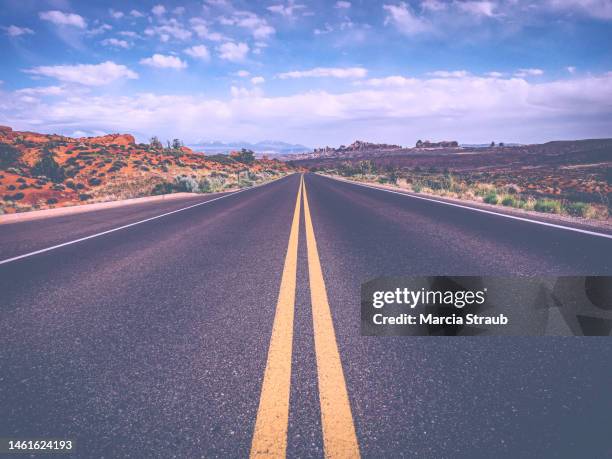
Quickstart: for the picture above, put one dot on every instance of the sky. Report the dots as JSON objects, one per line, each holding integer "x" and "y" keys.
{"x": 309, "y": 71}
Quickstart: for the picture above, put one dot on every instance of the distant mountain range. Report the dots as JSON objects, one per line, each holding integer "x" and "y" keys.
{"x": 267, "y": 147}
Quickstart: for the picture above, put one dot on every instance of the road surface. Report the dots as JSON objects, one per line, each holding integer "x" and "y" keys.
{"x": 232, "y": 328}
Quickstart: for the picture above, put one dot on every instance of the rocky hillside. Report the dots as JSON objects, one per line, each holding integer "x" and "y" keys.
{"x": 48, "y": 170}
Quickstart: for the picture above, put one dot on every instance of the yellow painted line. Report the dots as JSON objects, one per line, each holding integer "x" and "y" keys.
{"x": 270, "y": 435}
{"x": 339, "y": 438}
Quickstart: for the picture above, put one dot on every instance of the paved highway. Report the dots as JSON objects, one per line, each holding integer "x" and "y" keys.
{"x": 232, "y": 328}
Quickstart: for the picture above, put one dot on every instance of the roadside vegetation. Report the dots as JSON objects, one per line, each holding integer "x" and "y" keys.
{"x": 466, "y": 187}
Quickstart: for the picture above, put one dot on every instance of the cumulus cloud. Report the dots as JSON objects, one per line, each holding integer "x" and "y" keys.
{"x": 342, "y": 5}
{"x": 198, "y": 52}
{"x": 61, "y": 18}
{"x": 571, "y": 69}
{"x": 164, "y": 62}
{"x": 233, "y": 52}
{"x": 158, "y": 10}
{"x": 433, "y": 5}
{"x": 259, "y": 27}
{"x": 16, "y": 31}
{"x": 449, "y": 73}
{"x": 115, "y": 14}
{"x": 136, "y": 14}
{"x": 330, "y": 72}
{"x": 287, "y": 10}
{"x": 200, "y": 27}
{"x": 170, "y": 29}
{"x": 601, "y": 9}
{"x": 387, "y": 82}
{"x": 477, "y": 8}
{"x": 116, "y": 43}
{"x": 404, "y": 19}
{"x": 468, "y": 109}
{"x": 522, "y": 73}
{"x": 258, "y": 80}
{"x": 42, "y": 91}
{"x": 494, "y": 74}
{"x": 86, "y": 74}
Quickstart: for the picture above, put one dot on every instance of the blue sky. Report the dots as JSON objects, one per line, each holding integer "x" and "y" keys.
{"x": 314, "y": 72}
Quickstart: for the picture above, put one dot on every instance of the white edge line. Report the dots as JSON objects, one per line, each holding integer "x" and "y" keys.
{"x": 36, "y": 252}
{"x": 475, "y": 209}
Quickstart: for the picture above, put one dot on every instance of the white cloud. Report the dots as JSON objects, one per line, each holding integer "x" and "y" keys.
{"x": 170, "y": 29}
{"x": 201, "y": 29}
{"x": 234, "y": 52}
{"x": 241, "y": 92}
{"x": 178, "y": 11}
{"x": 387, "y": 82}
{"x": 99, "y": 30}
{"x": 115, "y": 14}
{"x": 86, "y": 74}
{"x": 164, "y": 62}
{"x": 522, "y": 73}
{"x": 198, "y": 52}
{"x": 116, "y": 43}
{"x": 601, "y": 9}
{"x": 467, "y": 109}
{"x": 449, "y": 73}
{"x": 129, "y": 33}
{"x": 259, "y": 27}
{"x": 433, "y": 5}
{"x": 158, "y": 10}
{"x": 242, "y": 73}
{"x": 258, "y": 80}
{"x": 494, "y": 74}
{"x": 342, "y": 5}
{"x": 287, "y": 10}
{"x": 136, "y": 14}
{"x": 403, "y": 18}
{"x": 60, "y": 18}
{"x": 571, "y": 69}
{"x": 477, "y": 8}
{"x": 321, "y": 72}
{"x": 16, "y": 31}
{"x": 42, "y": 91}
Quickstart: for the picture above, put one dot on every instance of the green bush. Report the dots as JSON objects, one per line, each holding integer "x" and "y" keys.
{"x": 205, "y": 186}
{"x": 417, "y": 188}
{"x": 186, "y": 184}
{"x": 578, "y": 209}
{"x": 547, "y": 206}
{"x": 9, "y": 155}
{"x": 48, "y": 167}
{"x": 163, "y": 188}
{"x": 509, "y": 201}
{"x": 491, "y": 198}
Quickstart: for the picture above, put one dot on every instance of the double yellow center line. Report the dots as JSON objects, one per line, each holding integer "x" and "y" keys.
{"x": 270, "y": 435}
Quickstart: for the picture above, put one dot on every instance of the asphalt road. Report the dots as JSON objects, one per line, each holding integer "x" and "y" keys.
{"x": 153, "y": 341}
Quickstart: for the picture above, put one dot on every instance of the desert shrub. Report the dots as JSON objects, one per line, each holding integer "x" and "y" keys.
{"x": 14, "y": 197}
{"x": 578, "y": 209}
{"x": 221, "y": 159}
{"x": 9, "y": 155}
{"x": 48, "y": 167}
{"x": 23, "y": 186}
{"x": 163, "y": 188}
{"x": 21, "y": 180}
{"x": 244, "y": 156}
{"x": 205, "y": 186}
{"x": 382, "y": 180}
{"x": 80, "y": 186}
{"x": 11, "y": 187}
{"x": 94, "y": 181}
{"x": 416, "y": 187}
{"x": 84, "y": 196}
{"x": 547, "y": 206}
{"x": 491, "y": 198}
{"x": 186, "y": 184}
{"x": 509, "y": 201}
{"x": 52, "y": 201}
